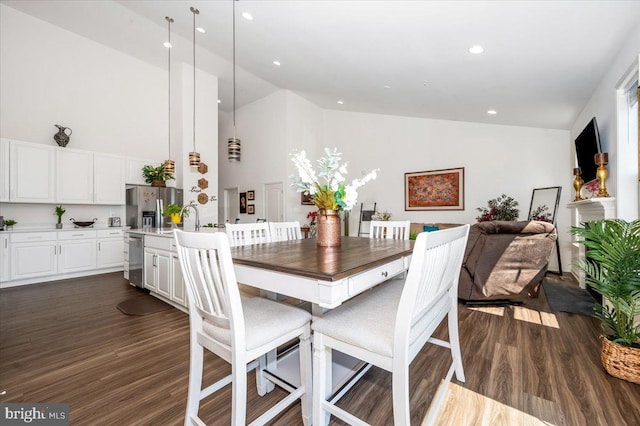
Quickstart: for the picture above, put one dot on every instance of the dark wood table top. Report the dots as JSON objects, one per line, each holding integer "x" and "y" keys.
{"x": 305, "y": 258}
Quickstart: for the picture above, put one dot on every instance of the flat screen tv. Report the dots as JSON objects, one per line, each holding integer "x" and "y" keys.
{"x": 587, "y": 146}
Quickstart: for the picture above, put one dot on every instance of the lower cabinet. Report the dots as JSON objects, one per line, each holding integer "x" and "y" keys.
{"x": 110, "y": 251}
{"x": 4, "y": 258}
{"x": 162, "y": 272}
{"x": 76, "y": 255}
{"x": 36, "y": 259}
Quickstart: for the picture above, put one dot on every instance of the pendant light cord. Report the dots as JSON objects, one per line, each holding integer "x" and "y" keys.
{"x": 234, "y": 69}
{"x": 169, "y": 21}
{"x": 195, "y": 12}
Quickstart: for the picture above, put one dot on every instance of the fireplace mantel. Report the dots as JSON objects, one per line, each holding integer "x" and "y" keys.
{"x": 586, "y": 211}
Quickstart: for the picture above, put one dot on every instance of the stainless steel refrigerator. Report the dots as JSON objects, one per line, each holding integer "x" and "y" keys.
{"x": 145, "y": 205}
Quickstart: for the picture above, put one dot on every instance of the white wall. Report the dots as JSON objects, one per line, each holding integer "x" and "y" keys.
{"x": 113, "y": 102}
{"x": 497, "y": 159}
{"x": 602, "y": 105}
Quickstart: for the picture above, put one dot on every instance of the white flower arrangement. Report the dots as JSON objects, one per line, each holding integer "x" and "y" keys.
{"x": 332, "y": 194}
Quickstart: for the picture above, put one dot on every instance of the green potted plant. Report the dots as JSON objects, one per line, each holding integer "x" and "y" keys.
{"x": 175, "y": 212}
{"x": 8, "y": 223}
{"x": 612, "y": 269}
{"x": 501, "y": 208}
{"x": 156, "y": 176}
{"x": 59, "y": 211}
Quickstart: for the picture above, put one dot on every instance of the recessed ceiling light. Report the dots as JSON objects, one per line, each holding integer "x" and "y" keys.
{"x": 219, "y": 101}
{"x": 276, "y": 63}
{"x": 167, "y": 45}
{"x": 492, "y": 112}
{"x": 425, "y": 82}
{"x": 247, "y": 16}
{"x": 340, "y": 102}
{"x": 476, "y": 50}
{"x": 200, "y": 29}
{"x": 386, "y": 86}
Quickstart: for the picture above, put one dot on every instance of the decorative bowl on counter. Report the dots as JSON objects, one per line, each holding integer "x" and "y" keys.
{"x": 83, "y": 224}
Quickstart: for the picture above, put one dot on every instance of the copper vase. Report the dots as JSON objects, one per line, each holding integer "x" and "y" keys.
{"x": 328, "y": 228}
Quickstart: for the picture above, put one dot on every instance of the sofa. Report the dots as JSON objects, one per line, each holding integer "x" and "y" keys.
{"x": 505, "y": 258}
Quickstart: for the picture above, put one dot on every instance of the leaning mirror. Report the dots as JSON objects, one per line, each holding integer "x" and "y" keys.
{"x": 544, "y": 204}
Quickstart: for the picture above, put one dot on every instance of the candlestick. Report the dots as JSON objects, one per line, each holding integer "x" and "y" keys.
{"x": 601, "y": 159}
{"x": 577, "y": 184}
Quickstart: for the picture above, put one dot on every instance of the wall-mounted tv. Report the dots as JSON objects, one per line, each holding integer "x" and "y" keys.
{"x": 587, "y": 146}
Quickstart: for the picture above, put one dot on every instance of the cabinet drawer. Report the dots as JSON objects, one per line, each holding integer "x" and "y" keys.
{"x": 110, "y": 233}
{"x": 367, "y": 279}
{"x": 29, "y": 237}
{"x": 162, "y": 243}
{"x": 76, "y": 235}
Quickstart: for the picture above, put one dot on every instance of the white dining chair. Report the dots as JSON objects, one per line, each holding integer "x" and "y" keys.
{"x": 245, "y": 234}
{"x": 285, "y": 231}
{"x": 392, "y": 229}
{"x": 389, "y": 325}
{"x": 240, "y": 331}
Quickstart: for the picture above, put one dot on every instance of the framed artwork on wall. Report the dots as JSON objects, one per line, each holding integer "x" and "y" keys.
{"x": 243, "y": 202}
{"x": 251, "y": 195}
{"x": 434, "y": 190}
{"x": 251, "y": 209}
{"x": 305, "y": 199}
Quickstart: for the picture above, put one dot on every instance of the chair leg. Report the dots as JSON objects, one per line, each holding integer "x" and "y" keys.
{"x": 400, "y": 384}
{"x": 305, "y": 376}
{"x": 195, "y": 382}
{"x": 261, "y": 381}
{"x": 238, "y": 392}
{"x": 320, "y": 387}
{"x": 454, "y": 341}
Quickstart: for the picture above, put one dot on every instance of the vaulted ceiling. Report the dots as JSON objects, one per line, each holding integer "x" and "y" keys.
{"x": 542, "y": 59}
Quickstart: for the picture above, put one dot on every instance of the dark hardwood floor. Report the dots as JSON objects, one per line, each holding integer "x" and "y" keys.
{"x": 66, "y": 342}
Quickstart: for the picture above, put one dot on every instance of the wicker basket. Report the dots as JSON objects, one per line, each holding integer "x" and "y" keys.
{"x": 620, "y": 361}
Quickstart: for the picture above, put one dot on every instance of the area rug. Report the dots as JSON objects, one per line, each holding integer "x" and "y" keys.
{"x": 568, "y": 298}
{"x": 142, "y": 305}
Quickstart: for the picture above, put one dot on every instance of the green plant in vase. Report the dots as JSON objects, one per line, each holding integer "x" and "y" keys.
{"x": 175, "y": 212}
{"x": 501, "y": 208}
{"x": 156, "y": 176}
{"x": 59, "y": 211}
{"x": 612, "y": 269}
{"x": 9, "y": 223}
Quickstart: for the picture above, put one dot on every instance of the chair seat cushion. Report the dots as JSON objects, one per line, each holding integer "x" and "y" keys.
{"x": 368, "y": 320}
{"x": 264, "y": 321}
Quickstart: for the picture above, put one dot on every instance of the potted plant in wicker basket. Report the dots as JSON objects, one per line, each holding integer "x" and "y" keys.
{"x": 612, "y": 268}
{"x": 156, "y": 176}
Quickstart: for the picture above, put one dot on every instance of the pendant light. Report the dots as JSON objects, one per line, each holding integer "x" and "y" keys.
{"x": 169, "y": 165}
{"x": 233, "y": 144}
{"x": 194, "y": 157}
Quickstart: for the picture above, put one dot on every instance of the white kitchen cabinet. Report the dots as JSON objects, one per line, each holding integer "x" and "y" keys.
{"x": 110, "y": 253}
{"x": 108, "y": 179}
{"x": 4, "y": 258}
{"x": 33, "y": 255}
{"x": 32, "y": 175}
{"x": 178, "y": 290}
{"x": 157, "y": 271}
{"x": 125, "y": 252}
{"x": 4, "y": 170}
{"x": 74, "y": 170}
{"x": 76, "y": 255}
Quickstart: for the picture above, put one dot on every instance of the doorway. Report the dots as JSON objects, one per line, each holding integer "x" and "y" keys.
{"x": 231, "y": 209}
{"x": 274, "y": 202}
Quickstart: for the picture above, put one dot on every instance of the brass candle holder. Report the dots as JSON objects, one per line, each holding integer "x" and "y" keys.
{"x": 577, "y": 184}
{"x": 601, "y": 159}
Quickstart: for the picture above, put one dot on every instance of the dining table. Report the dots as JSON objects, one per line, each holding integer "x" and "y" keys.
{"x": 324, "y": 276}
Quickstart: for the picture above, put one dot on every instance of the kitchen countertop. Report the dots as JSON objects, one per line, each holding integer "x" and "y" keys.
{"x": 53, "y": 229}
{"x": 166, "y": 232}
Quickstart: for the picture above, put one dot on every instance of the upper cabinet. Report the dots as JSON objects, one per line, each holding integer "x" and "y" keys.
{"x": 74, "y": 176}
{"x": 31, "y": 173}
{"x": 134, "y": 170}
{"x": 37, "y": 173}
{"x": 4, "y": 170}
{"x": 108, "y": 179}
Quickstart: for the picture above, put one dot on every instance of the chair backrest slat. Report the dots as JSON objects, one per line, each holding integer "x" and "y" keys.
{"x": 433, "y": 274}
{"x": 391, "y": 229}
{"x": 210, "y": 281}
{"x": 285, "y": 231}
{"x": 246, "y": 234}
